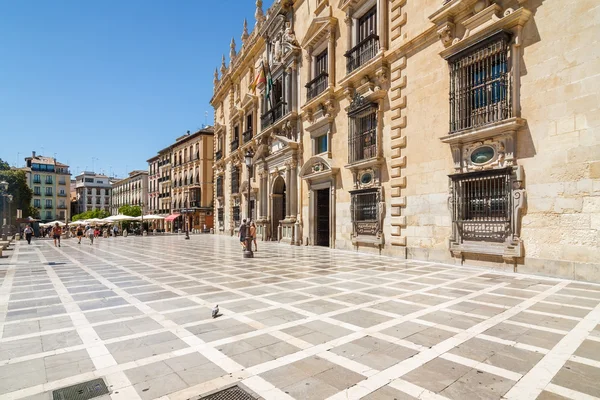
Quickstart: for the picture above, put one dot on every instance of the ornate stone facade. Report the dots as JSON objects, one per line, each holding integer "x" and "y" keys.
{"x": 468, "y": 136}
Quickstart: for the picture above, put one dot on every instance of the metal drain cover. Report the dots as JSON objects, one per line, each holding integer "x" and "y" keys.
{"x": 82, "y": 391}
{"x": 232, "y": 393}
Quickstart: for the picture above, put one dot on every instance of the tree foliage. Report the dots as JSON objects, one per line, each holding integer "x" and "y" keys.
{"x": 132, "y": 211}
{"x": 4, "y": 165}
{"x": 17, "y": 187}
{"x": 91, "y": 214}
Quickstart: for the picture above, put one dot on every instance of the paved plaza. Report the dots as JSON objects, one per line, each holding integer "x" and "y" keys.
{"x": 297, "y": 322}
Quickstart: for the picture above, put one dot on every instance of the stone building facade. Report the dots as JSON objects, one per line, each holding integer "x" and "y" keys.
{"x": 93, "y": 191}
{"x": 460, "y": 131}
{"x": 50, "y": 182}
{"x": 131, "y": 191}
{"x": 181, "y": 182}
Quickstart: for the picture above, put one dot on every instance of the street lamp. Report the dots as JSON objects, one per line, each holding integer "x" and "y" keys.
{"x": 248, "y": 252}
{"x": 187, "y": 220}
{"x": 3, "y": 190}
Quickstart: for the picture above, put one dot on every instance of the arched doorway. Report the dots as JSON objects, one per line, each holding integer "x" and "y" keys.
{"x": 278, "y": 206}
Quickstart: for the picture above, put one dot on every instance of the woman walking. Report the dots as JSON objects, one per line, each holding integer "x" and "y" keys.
{"x": 253, "y": 235}
{"x": 79, "y": 234}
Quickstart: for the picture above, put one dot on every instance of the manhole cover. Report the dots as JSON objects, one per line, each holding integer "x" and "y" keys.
{"x": 81, "y": 391}
{"x": 233, "y": 393}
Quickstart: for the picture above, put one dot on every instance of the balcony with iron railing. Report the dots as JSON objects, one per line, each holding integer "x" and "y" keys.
{"x": 317, "y": 85}
{"x": 62, "y": 207}
{"x": 235, "y": 144}
{"x": 274, "y": 114}
{"x": 362, "y": 146}
{"x": 360, "y": 54}
{"x": 247, "y": 135}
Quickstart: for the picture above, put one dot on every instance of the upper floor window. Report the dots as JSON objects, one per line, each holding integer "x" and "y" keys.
{"x": 480, "y": 84}
{"x": 366, "y": 40}
{"x": 219, "y": 186}
{"x": 321, "y": 144}
{"x": 362, "y": 140}
{"x": 37, "y": 190}
{"x": 274, "y": 102}
{"x": 320, "y": 76}
{"x": 235, "y": 180}
{"x": 36, "y": 178}
{"x": 235, "y": 141}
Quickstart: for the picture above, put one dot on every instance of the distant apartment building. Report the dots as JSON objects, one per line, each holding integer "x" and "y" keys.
{"x": 132, "y": 191}
{"x": 50, "y": 182}
{"x": 180, "y": 182}
{"x": 93, "y": 192}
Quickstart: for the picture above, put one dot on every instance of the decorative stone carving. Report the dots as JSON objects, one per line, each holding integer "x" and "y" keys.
{"x": 223, "y": 66}
{"x": 446, "y": 33}
{"x": 358, "y": 102}
{"x": 232, "y": 53}
{"x": 245, "y": 32}
{"x": 216, "y": 78}
{"x": 258, "y": 14}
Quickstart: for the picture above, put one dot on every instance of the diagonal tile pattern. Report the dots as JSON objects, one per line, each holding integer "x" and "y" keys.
{"x": 298, "y": 322}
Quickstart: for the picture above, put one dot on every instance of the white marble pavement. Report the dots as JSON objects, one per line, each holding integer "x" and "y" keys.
{"x": 297, "y": 323}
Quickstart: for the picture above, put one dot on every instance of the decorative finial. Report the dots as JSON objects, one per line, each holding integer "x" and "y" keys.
{"x": 216, "y": 80}
{"x": 223, "y": 66}
{"x": 232, "y": 50}
{"x": 258, "y": 15}
{"x": 245, "y": 32}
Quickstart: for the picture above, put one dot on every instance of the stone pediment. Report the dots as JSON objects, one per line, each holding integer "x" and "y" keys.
{"x": 318, "y": 29}
{"x": 317, "y": 167}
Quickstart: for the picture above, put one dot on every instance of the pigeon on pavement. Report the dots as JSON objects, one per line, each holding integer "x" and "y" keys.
{"x": 215, "y": 311}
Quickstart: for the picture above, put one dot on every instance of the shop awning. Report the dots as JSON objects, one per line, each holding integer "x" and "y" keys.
{"x": 172, "y": 217}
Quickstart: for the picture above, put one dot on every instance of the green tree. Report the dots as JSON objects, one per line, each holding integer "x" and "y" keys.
{"x": 17, "y": 187}
{"x": 4, "y": 165}
{"x": 132, "y": 211}
{"x": 91, "y": 214}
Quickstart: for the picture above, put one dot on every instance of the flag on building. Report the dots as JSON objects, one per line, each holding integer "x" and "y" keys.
{"x": 260, "y": 78}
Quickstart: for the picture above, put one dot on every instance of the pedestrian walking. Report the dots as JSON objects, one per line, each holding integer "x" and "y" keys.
{"x": 115, "y": 230}
{"x": 79, "y": 234}
{"x": 90, "y": 234}
{"x": 56, "y": 232}
{"x": 28, "y": 233}
{"x": 253, "y": 235}
{"x": 242, "y": 233}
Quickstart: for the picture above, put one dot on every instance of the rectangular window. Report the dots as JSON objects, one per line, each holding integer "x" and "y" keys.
{"x": 367, "y": 41}
{"x": 90, "y": 180}
{"x": 320, "y": 77}
{"x": 236, "y": 214}
{"x": 49, "y": 179}
{"x": 37, "y": 203}
{"x": 48, "y": 203}
{"x": 36, "y": 179}
{"x": 97, "y": 192}
{"x": 363, "y": 134}
{"x": 235, "y": 180}
{"x": 219, "y": 186}
{"x": 480, "y": 84}
{"x": 89, "y": 191}
{"x": 107, "y": 192}
{"x": 220, "y": 216}
{"x": 481, "y": 205}
{"x": 37, "y": 190}
{"x": 321, "y": 144}
{"x": 48, "y": 191}
{"x": 365, "y": 212}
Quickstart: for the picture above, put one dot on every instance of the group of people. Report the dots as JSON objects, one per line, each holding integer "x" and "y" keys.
{"x": 56, "y": 232}
{"x": 248, "y": 230}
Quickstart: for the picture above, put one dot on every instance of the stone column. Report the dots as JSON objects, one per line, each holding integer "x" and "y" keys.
{"x": 382, "y": 30}
{"x": 309, "y": 66}
{"x": 331, "y": 57}
{"x": 288, "y": 89}
{"x": 288, "y": 189}
{"x": 294, "y": 189}
{"x": 349, "y": 28}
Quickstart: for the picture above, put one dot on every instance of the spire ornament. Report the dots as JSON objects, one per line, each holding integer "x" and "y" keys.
{"x": 223, "y": 66}
{"x": 216, "y": 79}
{"x": 245, "y": 32}
{"x": 259, "y": 15}
{"x": 232, "y": 52}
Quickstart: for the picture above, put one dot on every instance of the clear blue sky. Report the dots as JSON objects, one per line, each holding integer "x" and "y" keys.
{"x": 108, "y": 83}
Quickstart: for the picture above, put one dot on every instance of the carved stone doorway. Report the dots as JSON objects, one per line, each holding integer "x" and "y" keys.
{"x": 322, "y": 217}
{"x": 278, "y": 206}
